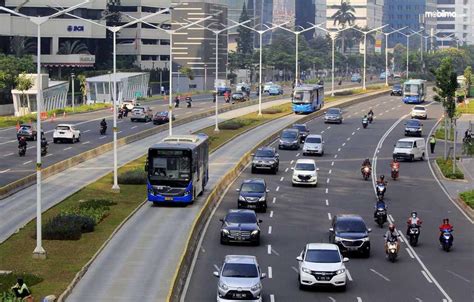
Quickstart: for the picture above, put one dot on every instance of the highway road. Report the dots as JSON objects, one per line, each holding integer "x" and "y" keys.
{"x": 298, "y": 215}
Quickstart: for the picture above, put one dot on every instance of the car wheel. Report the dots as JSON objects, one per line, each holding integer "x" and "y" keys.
{"x": 132, "y": 120}
{"x": 73, "y": 140}
{"x": 304, "y": 153}
{"x": 55, "y": 140}
{"x": 422, "y": 158}
{"x": 254, "y": 170}
{"x": 264, "y": 209}
{"x": 222, "y": 240}
{"x": 78, "y": 138}
{"x": 257, "y": 242}
{"x": 300, "y": 285}
{"x": 412, "y": 157}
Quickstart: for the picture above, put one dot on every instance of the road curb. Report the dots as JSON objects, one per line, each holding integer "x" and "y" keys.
{"x": 187, "y": 255}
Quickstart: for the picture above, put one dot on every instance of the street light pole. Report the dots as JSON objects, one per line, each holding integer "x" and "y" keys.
{"x": 408, "y": 48}
{"x": 72, "y": 84}
{"x": 39, "y": 251}
{"x": 386, "y": 52}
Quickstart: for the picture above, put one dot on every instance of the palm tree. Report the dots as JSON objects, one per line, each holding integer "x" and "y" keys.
{"x": 75, "y": 47}
{"x": 20, "y": 46}
{"x": 343, "y": 16}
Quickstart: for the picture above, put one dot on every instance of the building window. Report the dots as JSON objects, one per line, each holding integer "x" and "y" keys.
{"x": 164, "y": 58}
{"x": 128, "y": 8}
{"x": 164, "y": 42}
{"x": 150, "y": 41}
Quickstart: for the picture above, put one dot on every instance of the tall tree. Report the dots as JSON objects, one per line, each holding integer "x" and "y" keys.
{"x": 10, "y": 68}
{"x": 343, "y": 16}
{"x": 245, "y": 38}
{"x": 468, "y": 77}
{"x": 74, "y": 47}
{"x": 104, "y": 47}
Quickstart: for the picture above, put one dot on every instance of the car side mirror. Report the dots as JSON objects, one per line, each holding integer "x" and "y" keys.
{"x": 263, "y": 276}
{"x": 369, "y": 230}
{"x": 292, "y": 168}
{"x": 317, "y": 169}
{"x": 216, "y": 274}
{"x": 299, "y": 258}
{"x": 238, "y": 190}
{"x": 260, "y": 221}
{"x": 331, "y": 230}
{"x": 345, "y": 259}
{"x": 277, "y": 155}
{"x": 394, "y": 145}
{"x": 267, "y": 190}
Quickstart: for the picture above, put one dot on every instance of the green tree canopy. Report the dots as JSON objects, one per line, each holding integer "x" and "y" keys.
{"x": 245, "y": 38}
{"x": 344, "y": 15}
{"x": 10, "y": 68}
{"x": 446, "y": 85}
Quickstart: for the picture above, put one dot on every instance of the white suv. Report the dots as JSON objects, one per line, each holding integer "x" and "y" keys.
{"x": 313, "y": 144}
{"x": 305, "y": 172}
{"x": 66, "y": 132}
{"x": 321, "y": 264}
{"x": 239, "y": 279}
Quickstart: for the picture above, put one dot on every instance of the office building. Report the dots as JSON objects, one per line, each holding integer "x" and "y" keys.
{"x": 409, "y": 13}
{"x": 305, "y": 15}
{"x": 262, "y": 14}
{"x": 455, "y": 22}
{"x": 284, "y": 11}
{"x": 320, "y": 18}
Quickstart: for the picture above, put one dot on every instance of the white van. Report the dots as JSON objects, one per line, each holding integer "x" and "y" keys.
{"x": 410, "y": 149}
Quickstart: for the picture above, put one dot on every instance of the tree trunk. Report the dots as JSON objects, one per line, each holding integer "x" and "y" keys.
{"x": 445, "y": 138}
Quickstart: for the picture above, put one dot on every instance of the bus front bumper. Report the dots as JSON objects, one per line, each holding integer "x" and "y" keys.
{"x": 167, "y": 199}
{"x": 302, "y": 108}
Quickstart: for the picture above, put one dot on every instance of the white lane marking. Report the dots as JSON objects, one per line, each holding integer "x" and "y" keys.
{"x": 7, "y": 142}
{"x": 332, "y": 164}
{"x": 330, "y": 171}
{"x": 329, "y": 216}
{"x": 286, "y": 170}
{"x": 102, "y": 137}
{"x": 291, "y": 162}
{"x": 418, "y": 300}
{"x": 353, "y": 133}
{"x": 134, "y": 127}
{"x": 4, "y": 171}
{"x": 297, "y": 154}
{"x": 27, "y": 162}
{"x": 272, "y": 298}
{"x": 390, "y": 216}
{"x": 348, "y": 139}
{"x": 343, "y": 144}
{"x": 377, "y": 105}
{"x": 271, "y": 214}
{"x": 8, "y": 154}
{"x": 269, "y": 249}
{"x": 281, "y": 179}
{"x": 50, "y": 154}
{"x": 401, "y": 239}
{"x": 275, "y": 252}
{"x": 380, "y": 275}
{"x": 332, "y": 299}
{"x": 322, "y": 132}
{"x": 270, "y": 273}
{"x": 216, "y": 267}
{"x": 68, "y": 148}
{"x": 269, "y": 229}
{"x": 459, "y": 276}
{"x": 358, "y": 129}
{"x": 386, "y": 111}
{"x": 327, "y": 190}
{"x": 335, "y": 155}
{"x": 278, "y": 189}
{"x": 274, "y": 199}
{"x": 119, "y": 132}
{"x": 327, "y": 180}
{"x": 85, "y": 131}
{"x": 295, "y": 269}
{"x": 349, "y": 275}
{"x": 327, "y": 202}
{"x": 381, "y": 114}
{"x": 359, "y": 299}
{"x": 329, "y": 127}
{"x": 349, "y": 116}
{"x": 410, "y": 254}
{"x": 338, "y": 149}
{"x": 393, "y": 108}
{"x": 85, "y": 143}
{"x": 426, "y": 276}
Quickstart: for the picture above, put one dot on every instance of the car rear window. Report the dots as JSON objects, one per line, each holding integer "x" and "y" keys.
{"x": 404, "y": 145}
{"x": 240, "y": 270}
{"x": 62, "y": 128}
{"x": 241, "y": 218}
{"x": 300, "y": 127}
{"x": 413, "y": 123}
{"x": 313, "y": 140}
{"x": 322, "y": 256}
{"x": 350, "y": 226}
{"x": 252, "y": 188}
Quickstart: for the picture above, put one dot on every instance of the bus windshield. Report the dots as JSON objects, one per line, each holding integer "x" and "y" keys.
{"x": 302, "y": 97}
{"x": 169, "y": 166}
{"x": 411, "y": 89}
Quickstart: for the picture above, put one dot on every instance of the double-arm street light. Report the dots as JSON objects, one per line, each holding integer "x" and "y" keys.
{"x": 333, "y": 36}
{"x": 260, "y": 32}
{"x": 408, "y": 48}
{"x": 114, "y": 30}
{"x": 419, "y": 33}
{"x": 217, "y": 33}
{"x": 171, "y": 32}
{"x": 365, "y": 49}
{"x": 39, "y": 251}
{"x": 297, "y": 33}
{"x": 386, "y": 51}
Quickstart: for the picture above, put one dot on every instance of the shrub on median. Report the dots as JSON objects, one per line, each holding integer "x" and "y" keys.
{"x": 272, "y": 110}
{"x": 344, "y": 93}
{"x": 446, "y": 167}
{"x": 67, "y": 227}
{"x": 468, "y": 198}
{"x": 133, "y": 177}
{"x": 96, "y": 209}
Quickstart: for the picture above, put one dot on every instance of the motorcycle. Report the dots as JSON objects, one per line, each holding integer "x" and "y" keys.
{"x": 446, "y": 240}
{"x": 176, "y": 103}
{"x": 380, "y": 188}
{"x": 394, "y": 173}
{"x": 366, "y": 172}
{"x": 381, "y": 215}
{"x": 120, "y": 114}
{"x": 370, "y": 118}
{"x": 392, "y": 246}
{"x": 188, "y": 102}
{"x": 365, "y": 122}
{"x": 22, "y": 151}
{"x": 103, "y": 129}
{"x": 413, "y": 233}
{"x": 44, "y": 150}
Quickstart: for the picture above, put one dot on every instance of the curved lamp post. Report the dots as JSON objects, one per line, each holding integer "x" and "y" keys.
{"x": 386, "y": 51}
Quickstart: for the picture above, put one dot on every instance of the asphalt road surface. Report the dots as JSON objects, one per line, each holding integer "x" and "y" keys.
{"x": 300, "y": 215}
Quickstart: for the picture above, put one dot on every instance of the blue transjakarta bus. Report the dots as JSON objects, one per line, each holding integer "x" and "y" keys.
{"x": 177, "y": 168}
{"x": 414, "y": 91}
{"x": 308, "y": 98}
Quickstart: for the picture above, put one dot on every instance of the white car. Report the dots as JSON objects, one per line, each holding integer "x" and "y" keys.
{"x": 411, "y": 149}
{"x": 66, "y": 132}
{"x": 141, "y": 113}
{"x": 313, "y": 144}
{"x": 321, "y": 264}
{"x": 419, "y": 112}
{"x": 266, "y": 87}
{"x": 130, "y": 104}
{"x": 305, "y": 172}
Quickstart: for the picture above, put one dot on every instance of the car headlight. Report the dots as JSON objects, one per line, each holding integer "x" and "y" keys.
{"x": 306, "y": 270}
{"x": 295, "y": 142}
{"x": 281, "y": 142}
{"x": 225, "y": 232}
{"x": 255, "y": 233}
{"x": 256, "y": 287}
{"x": 365, "y": 239}
{"x": 337, "y": 238}
{"x": 241, "y": 198}
{"x": 223, "y": 286}
{"x": 261, "y": 198}
{"x": 254, "y": 161}
{"x": 340, "y": 271}
{"x": 271, "y": 162}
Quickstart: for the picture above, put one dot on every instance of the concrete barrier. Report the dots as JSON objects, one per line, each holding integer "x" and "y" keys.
{"x": 181, "y": 273}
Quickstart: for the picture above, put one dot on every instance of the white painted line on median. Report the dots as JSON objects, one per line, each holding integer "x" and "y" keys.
{"x": 269, "y": 229}
{"x": 286, "y": 170}
{"x": 348, "y": 139}
{"x": 380, "y": 275}
{"x": 332, "y": 299}
{"x": 401, "y": 240}
{"x": 330, "y": 171}
{"x": 281, "y": 179}
{"x": 338, "y": 149}
{"x": 322, "y": 132}
{"x": 270, "y": 273}
{"x": 291, "y": 162}
{"x": 216, "y": 267}
{"x": 119, "y": 132}
{"x": 134, "y": 127}
{"x": 358, "y": 129}
{"x": 353, "y": 133}
{"x": 327, "y": 202}
{"x": 390, "y": 216}
{"x": 68, "y": 148}
{"x": 329, "y": 127}
{"x": 85, "y": 143}
{"x": 85, "y": 131}
{"x": 278, "y": 189}
{"x": 327, "y": 190}
{"x": 4, "y": 171}
{"x": 102, "y": 137}
{"x": 410, "y": 254}
{"x": 297, "y": 154}
{"x": 332, "y": 164}
{"x": 8, "y": 154}
{"x": 459, "y": 276}
{"x": 335, "y": 155}
{"x": 274, "y": 199}
{"x": 272, "y": 298}
{"x": 426, "y": 276}
{"x": 349, "y": 275}
{"x": 329, "y": 216}
{"x": 343, "y": 144}
{"x": 50, "y": 154}
{"x": 271, "y": 214}
{"x": 27, "y": 162}
{"x": 418, "y": 300}
{"x": 269, "y": 249}
{"x": 327, "y": 180}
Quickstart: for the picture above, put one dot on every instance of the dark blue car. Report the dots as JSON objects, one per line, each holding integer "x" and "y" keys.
{"x": 253, "y": 195}
{"x": 351, "y": 234}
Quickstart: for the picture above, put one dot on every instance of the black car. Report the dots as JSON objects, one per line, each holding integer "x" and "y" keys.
{"x": 351, "y": 234}
{"x": 266, "y": 158}
{"x": 397, "y": 90}
{"x": 253, "y": 195}
{"x": 27, "y": 131}
{"x": 240, "y": 226}
{"x": 413, "y": 128}
{"x": 289, "y": 139}
{"x": 333, "y": 115}
{"x": 161, "y": 118}
{"x": 304, "y": 131}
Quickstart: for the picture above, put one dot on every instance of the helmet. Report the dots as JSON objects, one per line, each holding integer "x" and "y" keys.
{"x": 391, "y": 227}
{"x": 382, "y": 177}
{"x": 395, "y": 160}
{"x": 446, "y": 220}
{"x": 414, "y": 214}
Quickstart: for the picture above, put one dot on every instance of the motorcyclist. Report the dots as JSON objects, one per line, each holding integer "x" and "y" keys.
{"x": 188, "y": 101}
{"x": 391, "y": 235}
{"x": 413, "y": 220}
{"x": 370, "y": 112}
{"x": 22, "y": 142}
{"x": 365, "y": 120}
{"x": 382, "y": 182}
{"x": 176, "y": 101}
{"x": 380, "y": 204}
{"x": 214, "y": 96}
{"x": 395, "y": 165}
{"x": 44, "y": 142}
{"x": 103, "y": 125}
{"x": 445, "y": 226}
{"x": 366, "y": 163}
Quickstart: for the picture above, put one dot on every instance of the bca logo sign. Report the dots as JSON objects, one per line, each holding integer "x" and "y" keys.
{"x": 75, "y": 28}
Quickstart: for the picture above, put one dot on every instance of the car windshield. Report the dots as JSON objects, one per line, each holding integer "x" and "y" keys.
{"x": 252, "y": 188}
{"x": 333, "y": 111}
{"x": 25, "y": 127}
{"x": 62, "y": 128}
{"x": 404, "y": 145}
{"x": 350, "y": 226}
{"x": 413, "y": 123}
{"x": 171, "y": 168}
{"x": 412, "y": 89}
{"x": 135, "y": 109}
{"x": 240, "y": 270}
{"x": 241, "y": 218}
{"x": 398, "y": 86}
{"x": 305, "y": 167}
{"x": 162, "y": 114}
{"x": 322, "y": 256}
{"x": 300, "y": 127}
{"x": 301, "y": 97}
{"x": 313, "y": 140}
{"x": 264, "y": 153}
{"x": 419, "y": 108}
{"x": 289, "y": 134}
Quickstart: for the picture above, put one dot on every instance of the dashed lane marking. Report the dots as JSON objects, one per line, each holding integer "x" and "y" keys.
{"x": 85, "y": 131}
{"x": 8, "y": 154}
{"x": 85, "y": 143}
{"x": 322, "y": 132}
{"x": 343, "y": 144}
{"x": 286, "y": 170}
{"x": 327, "y": 190}
{"x": 297, "y": 154}
{"x": 327, "y": 202}
{"x": 335, "y": 155}
{"x": 327, "y": 180}
{"x": 270, "y": 273}
{"x": 349, "y": 276}
{"x": 332, "y": 164}
{"x": 359, "y": 299}
{"x": 338, "y": 149}
{"x": 348, "y": 139}
{"x": 353, "y": 133}
{"x": 134, "y": 127}
{"x": 291, "y": 162}
{"x": 269, "y": 249}
{"x": 27, "y": 162}
{"x": 50, "y": 154}
{"x": 119, "y": 132}
{"x": 329, "y": 216}
{"x": 390, "y": 216}
{"x": 330, "y": 171}
{"x": 380, "y": 275}
{"x": 271, "y": 214}
{"x": 216, "y": 267}
{"x": 281, "y": 179}
{"x": 272, "y": 298}
{"x": 102, "y": 137}
{"x": 332, "y": 299}
{"x": 426, "y": 276}
{"x": 278, "y": 189}
{"x": 274, "y": 199}
{"x": 410, "y": 254}
{"x": 269, "y": 229}
{"x": 329, "y": 127}
{"x": 68, "y": 148}
{"x": 4, "y": 171}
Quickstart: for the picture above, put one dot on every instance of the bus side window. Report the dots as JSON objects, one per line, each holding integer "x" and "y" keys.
{"x": 198, "y": 162}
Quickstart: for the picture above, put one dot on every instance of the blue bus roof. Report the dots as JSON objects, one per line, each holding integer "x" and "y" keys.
{"x": 181, "y": 142}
